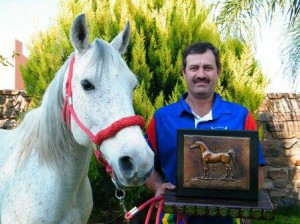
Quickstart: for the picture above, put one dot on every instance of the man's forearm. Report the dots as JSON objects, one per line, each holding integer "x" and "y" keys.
{"x": 154, "y": 181}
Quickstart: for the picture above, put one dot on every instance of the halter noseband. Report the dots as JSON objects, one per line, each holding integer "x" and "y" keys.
{"x": 102, "y": 135}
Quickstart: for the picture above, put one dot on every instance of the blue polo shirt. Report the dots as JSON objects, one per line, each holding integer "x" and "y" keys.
{"x": 162, "y": 129}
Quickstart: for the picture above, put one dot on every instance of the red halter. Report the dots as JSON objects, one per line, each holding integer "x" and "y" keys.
{"x": 102, "y": 135}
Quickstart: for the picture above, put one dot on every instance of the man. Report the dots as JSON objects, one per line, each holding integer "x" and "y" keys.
{"x": 199, "y": 108}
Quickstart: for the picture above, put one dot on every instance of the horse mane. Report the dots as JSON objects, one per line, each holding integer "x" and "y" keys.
{"x": 43, "y": 130}
{"x": 201, "y": 142}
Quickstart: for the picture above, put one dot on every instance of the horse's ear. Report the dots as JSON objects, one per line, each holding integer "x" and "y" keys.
{"x": 121, "y": 41}
{"x": 80, "y": 34}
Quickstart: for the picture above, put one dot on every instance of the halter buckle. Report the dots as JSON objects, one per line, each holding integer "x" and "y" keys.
{"x": 70, "y": 100}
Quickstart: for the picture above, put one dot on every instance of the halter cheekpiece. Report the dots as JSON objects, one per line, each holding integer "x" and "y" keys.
{"x": 102, "y": 135}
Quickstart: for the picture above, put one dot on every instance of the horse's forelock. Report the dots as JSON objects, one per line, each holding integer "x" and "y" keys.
{"x": 104, "y": 52}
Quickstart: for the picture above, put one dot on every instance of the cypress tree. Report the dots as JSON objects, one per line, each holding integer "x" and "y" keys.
{"x": 161, "y": 29}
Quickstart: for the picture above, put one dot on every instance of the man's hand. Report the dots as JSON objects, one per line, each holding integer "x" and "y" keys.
{"x": 156, "y": 184}
{"x": 163, "y": 188}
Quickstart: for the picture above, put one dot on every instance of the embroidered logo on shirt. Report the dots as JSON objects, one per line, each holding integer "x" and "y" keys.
{"x": 219, "y": 128}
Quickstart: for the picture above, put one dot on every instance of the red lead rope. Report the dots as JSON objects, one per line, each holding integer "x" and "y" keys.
{"x": 151, "y": 202}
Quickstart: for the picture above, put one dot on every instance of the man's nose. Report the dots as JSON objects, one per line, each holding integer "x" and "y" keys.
{"x": 201, "y": 72}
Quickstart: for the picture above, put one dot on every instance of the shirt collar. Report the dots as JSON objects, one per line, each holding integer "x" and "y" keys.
{"x": 183, "y": 107}
{"x": 219, "y": 106}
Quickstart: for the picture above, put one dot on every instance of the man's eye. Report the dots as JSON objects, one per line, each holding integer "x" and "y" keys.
{"x": 86, "y": 85}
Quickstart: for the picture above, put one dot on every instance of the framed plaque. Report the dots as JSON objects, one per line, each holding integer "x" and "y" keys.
{"x": 217, "y": 164}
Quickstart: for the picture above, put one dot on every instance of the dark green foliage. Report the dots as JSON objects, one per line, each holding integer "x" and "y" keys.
{"x": 283, "y": 215}
{"x": 102, "y": 186}
{"x": 160, "y": 32}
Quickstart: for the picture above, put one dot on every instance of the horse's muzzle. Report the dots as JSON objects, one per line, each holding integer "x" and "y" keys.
{"x": 130, "y": 175}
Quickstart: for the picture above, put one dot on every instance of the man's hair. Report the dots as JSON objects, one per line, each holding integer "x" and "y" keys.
{"x": 201, "y": 48}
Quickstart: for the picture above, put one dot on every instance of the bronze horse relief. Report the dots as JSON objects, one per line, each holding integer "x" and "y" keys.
{"x": 209, "y": 157}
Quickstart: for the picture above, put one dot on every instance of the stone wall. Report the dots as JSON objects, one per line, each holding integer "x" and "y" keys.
{"x": 279, "y": 116}
{"x": 12, "y": 103}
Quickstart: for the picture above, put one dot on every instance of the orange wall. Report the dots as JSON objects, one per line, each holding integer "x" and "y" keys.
{"x": 19, "y": 60}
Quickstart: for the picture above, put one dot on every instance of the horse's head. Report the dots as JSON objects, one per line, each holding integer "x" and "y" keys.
{"x": 99, "y": 105}
{"x": 198, "y": 144}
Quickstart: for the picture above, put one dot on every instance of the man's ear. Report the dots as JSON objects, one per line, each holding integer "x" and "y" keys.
{"x": 219, "y": 70}
{"x": 183, "y": 71}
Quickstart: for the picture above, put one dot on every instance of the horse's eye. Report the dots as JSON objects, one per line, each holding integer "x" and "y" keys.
{"x": 86, "y": 85}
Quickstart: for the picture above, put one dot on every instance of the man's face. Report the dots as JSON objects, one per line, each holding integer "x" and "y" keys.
{"x": 201, "y": 74}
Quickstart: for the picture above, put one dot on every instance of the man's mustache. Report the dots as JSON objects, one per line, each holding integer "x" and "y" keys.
{"x": 201, "y": 80}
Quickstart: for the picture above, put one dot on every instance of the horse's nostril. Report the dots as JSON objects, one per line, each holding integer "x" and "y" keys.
{"x": 126, "y": 166}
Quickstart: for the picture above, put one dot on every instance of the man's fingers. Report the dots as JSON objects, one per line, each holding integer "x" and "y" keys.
{"x": 162, "y": 189}
{"x": 168, "y": 186}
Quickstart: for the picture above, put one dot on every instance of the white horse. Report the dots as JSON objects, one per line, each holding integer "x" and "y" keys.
{"x": 44, "y": 161}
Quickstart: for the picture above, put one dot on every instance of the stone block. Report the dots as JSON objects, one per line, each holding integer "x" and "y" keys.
{"x": 295, "y": 160}
{"x": 293, "y": 95}
{"x": 296, "y": 183}
{"x": 268, "y": 184}
{"x": 275, "y": 95}
{"x": 276, "y": 174}
{"x": 289, "y": 143}
{"x": 293, "y": 116}
{"x": 270, "y": 151}
{"x": 9, "y": 92}
{"x": 288, "y": 153}
{"x": 294, "y": 173}
{"x": 9, "y": 124}
{"x": 292, "y": 194}
{"x": 294, "y": 103}
{"x": 11, "y": 102}
{"x": 2, "y": 100}
{"x": 266, "y": 134}
{"x": 280, "y": 184}
{"x": 283, "y": 201}
{"x": 283, "y": 126}
{"x": 11, "y": 113}
{"x": 277, "y": 192}
{"x": 263, "y": 117}
{"x": 276, "y": 106}
{"x": 286, "y": 105}
{"x": 280, "y": 162}
{"x": 283, "y": 135}
{"x": 292, "y": 126}
{"x": 297, "y": 194}
{"x": 294, "y": 151}
{"x": 275, "y": 126}
{"x": 2, "y": 121}
{"x": 271, "y": 147}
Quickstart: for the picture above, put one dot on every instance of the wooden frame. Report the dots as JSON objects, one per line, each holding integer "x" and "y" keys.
{"x": 217, "y": 164}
